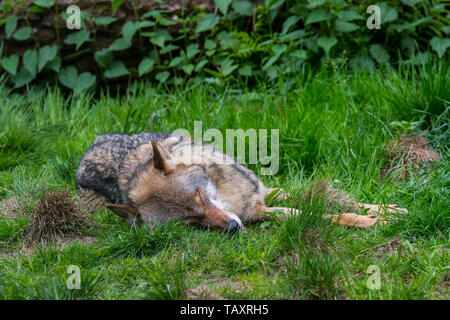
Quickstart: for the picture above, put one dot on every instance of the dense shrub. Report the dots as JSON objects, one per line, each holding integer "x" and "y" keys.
{"x": 234, "y": 39}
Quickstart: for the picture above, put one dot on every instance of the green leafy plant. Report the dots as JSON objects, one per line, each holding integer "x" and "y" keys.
{"x": 238, "y": 40}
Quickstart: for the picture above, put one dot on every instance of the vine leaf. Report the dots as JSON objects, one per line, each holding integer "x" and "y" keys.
{"x": 46, "y": 54}
{"x": 10, "y": 64}
{"x": 116, "y": 69}
{"x": 207, "y": 22}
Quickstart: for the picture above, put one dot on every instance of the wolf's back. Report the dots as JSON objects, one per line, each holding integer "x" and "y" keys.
{"x": 100, "y": 166}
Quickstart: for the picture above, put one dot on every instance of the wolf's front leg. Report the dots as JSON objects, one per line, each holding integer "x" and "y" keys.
{"x": 356, "y": 220}
{"x": 276, "y": 194}
{"x": 260, "y": 212}
{"x": 380, "y": 208}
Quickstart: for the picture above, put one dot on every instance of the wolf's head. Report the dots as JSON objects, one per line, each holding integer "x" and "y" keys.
{"x": 164, "y": 191}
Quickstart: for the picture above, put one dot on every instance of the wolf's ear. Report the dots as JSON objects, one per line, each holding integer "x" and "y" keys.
{"x": 125, "y": 211}
{"x": 162, "y": 158}
{"x": 200, "y": 197}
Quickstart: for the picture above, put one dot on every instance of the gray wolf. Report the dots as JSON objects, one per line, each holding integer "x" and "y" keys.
{"x": 157, "y": 177}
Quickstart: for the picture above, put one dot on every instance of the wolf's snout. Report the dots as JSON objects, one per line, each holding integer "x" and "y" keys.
{"x": 233, "y": 226}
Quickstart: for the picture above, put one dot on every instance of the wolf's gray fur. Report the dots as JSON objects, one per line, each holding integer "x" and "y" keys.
{"x": 161, "y": 176}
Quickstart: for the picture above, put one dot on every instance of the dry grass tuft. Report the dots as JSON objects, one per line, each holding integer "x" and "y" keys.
{"x": 56, "y": 215}
{"x": 335, "y": 197}
{"x": 11, "y": 207}
{"x": 90, "y": 200}
{"x": 408, "y": 152}
{"x": 202, "y": 292}
{"x": 390, "y": 248}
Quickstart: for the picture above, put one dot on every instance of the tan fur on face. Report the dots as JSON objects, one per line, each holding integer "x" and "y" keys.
{"x": 238, "y": 190}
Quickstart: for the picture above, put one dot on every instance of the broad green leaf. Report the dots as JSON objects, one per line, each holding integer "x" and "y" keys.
{"x": 289, "y": 22}
{"x": 350, "y": 15}
{"x": 294, "y": 35}
{"x": 22, "y": 78}
{"x": 344, "y": 26}
{"x": 227, "y": 69}
{"x": 3, "y": 21}
{"x": 164, "y": 33}
{"x": 145, "y": 24}
{"x": 411, "y": 26}
{"x": 244, "y": 8}
{"x": 362, "y": 63}
{"x": 177, "y": 81}
{"x": 46, "y": 54}
{"x": 270, "y": 62}
{"x": 209, "y": 44}
{"x": 299, "y": 54}
{"x": 245, "y": 70}
{"x": 175, "y": 61}
{"x": 317, "y": 15}
{"x": 411, "y": 3}
{"x": 311, "y": 44}
{"x": 116, "y": 69}
{"x": 10, "y": 26}
{"x": 188, "y": 68}
{"x": 440, "y": 45}
{"x": 119, "y": 44}
{"x": 55, "y": 64}
{"x": 6, "y": 6}
{"x": 30, "y": 61}
{"x": 419, "y": 58}
{"x": 200, "y": 65}
{"x": 166, "y": 22}
{"x": 209, "y": 53}
{"x": 129, "y": 29}
{"x": 274, "y": 4}
{"x": 10, "y": 63}
{"x": 116, "y": 4}
{"x": 22, "y": 34}
{"x": 36, "y": 9}
{"x": 162, "y": 76}
{"x": 278, "y": 49}
{"x": 78, "y": 38}
{"x": 379, "y": 54}
{"x": 158, "y": 40}
{"x": 44, "y": 3}
{"x": 207, "y": 22}
{"x": 68, "y": 77}
{"x": 326, "y": 43}
{"x": 151, "y": 14}
{"x": 146, "y": 66}
{"x": 104, "y": 58}
{"x": 168, "y": 48}
{"x": 85, "y": 81}
{"x": 192, "y": 50}
{"x": 223, "y": 5}
{"x": 387, "y": 13}
{"x": 227, "y": 40}
{"x": 104, "y": 21}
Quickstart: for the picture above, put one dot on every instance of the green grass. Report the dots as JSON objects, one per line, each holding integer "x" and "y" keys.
{"x": 332, "y": 124}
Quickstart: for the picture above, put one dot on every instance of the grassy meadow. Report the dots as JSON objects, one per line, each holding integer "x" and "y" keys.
{"x": 333, "y": 125}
